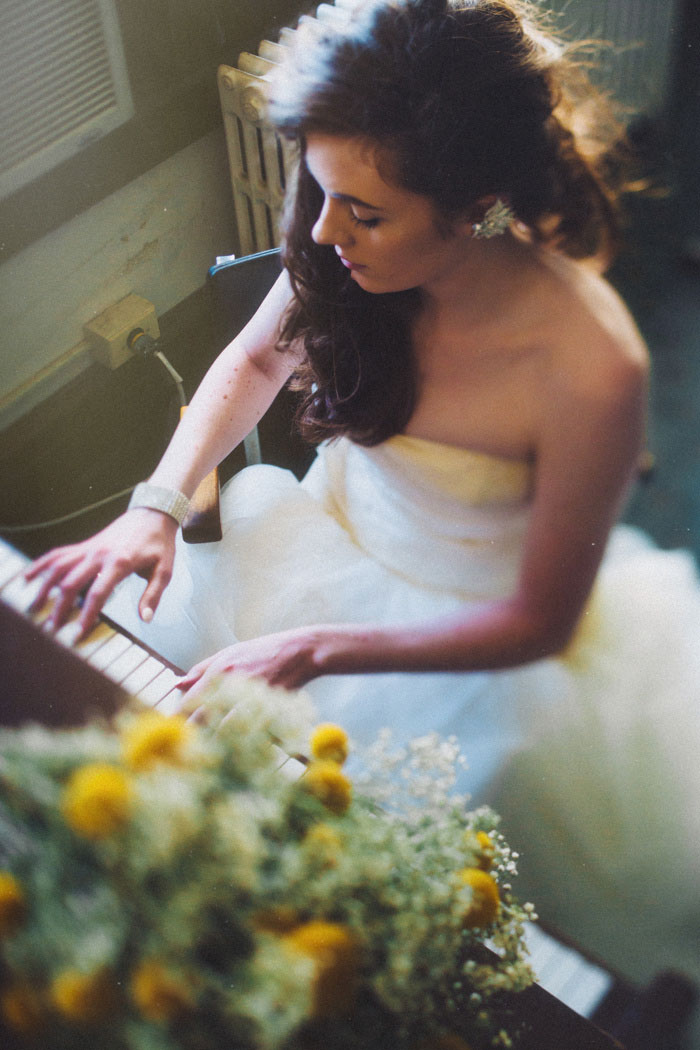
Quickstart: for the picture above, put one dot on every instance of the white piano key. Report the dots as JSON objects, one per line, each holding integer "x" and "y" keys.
{"x": 129, "y": 660}
{"x": 560, "y": 965}
{"x": 288, "y": 764}
{"x": 280, "y": 756}
{"x": 587, "y": 993}
{"x": 292, "y": 768}
{"x": 7, "y": 551}
{"x": 11, "y": 565}
{"x": 541, "y": 946}
{"x": 159, "y": 688}
{"x": 69, "y": 633}
{"x": 565, "y": 973}
{"x": 88, "y": 647}
{"x": 69, "y": 636}
{"x": 41, "y": 615}
{"x": 171, "y": 703}
{"x": 20, "y": 593}
{"x": 140, "y": 678}
{"x": 106, "y": 654}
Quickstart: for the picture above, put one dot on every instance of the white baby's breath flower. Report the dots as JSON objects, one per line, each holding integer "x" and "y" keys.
{"x": 253, "y": 706}
{"x": 278, "y": 992}
{"x": 221, "y": 862}
{"x": 236, "y": 824}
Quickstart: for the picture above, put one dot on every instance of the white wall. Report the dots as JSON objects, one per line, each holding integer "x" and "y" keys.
{"x": 155, "y": 237}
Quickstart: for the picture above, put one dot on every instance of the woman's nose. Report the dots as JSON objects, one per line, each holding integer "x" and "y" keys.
{"x": 331, "y": 227}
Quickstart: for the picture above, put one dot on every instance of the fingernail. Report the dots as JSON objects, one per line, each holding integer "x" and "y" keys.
{"x": 147, "y": 615}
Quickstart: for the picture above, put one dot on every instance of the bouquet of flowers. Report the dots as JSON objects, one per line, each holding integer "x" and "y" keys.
{"x": 164, "y": 886}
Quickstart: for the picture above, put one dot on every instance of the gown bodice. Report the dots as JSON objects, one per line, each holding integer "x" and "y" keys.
{"x": 443, "y": 517}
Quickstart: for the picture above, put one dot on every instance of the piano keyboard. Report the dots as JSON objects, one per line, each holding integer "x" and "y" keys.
{"x": 567, "y": 974}
{"x": 129, "y": 666}
{"x": 126, "y": 663}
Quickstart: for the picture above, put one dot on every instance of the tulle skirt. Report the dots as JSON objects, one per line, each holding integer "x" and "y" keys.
{"x": 592, "y": 758}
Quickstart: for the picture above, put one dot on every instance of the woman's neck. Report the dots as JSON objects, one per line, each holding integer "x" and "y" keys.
{"x": 485, "y": 270}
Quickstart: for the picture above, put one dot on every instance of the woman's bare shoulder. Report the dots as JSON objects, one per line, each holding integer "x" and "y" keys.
{"x": 594, "y": 377}
{"x": 591, "y": 332}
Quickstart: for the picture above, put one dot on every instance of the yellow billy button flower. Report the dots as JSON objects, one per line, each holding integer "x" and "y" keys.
{"x": 487, "y": 851}
{"x": 23, "y": 1008}
{"x": 97, "y": 800}
{"x": 485, "y": 903}
{"x": 84, "y": 997}
{"x": 160, "y": 994}
{"x": 154, "y": 738}
{"x": 13, "y": 906}
{"x": 334, "y": 950}
{"x": 329, "y": 743}
{"x": 329, "y": 784}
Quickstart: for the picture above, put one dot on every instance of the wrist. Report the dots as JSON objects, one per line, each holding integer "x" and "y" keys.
{"x": 157, "y": 497}
{"x": 350, "y": 649}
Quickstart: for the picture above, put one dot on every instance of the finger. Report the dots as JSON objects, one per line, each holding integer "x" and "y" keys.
{"x": 52, "y": 577}
{"x": 66, "y": 596}
{"x": 47, "y": 586}
{"x": 46, "y": 561}
{"x": 288, "y": 682}
{"x": 194, "y": 674}
{"x": 196, "y": 688}
{"x": 100, "y": 590}
{"x": 198, "y": 716}
{"x": 190, "y": 708}
{"x": 150, "y": 599}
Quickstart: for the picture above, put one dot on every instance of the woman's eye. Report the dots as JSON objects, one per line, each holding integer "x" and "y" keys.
{"x": 367, "y": 223}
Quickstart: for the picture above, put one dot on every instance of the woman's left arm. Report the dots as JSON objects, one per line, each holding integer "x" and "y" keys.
{"x": 588, "y": 444}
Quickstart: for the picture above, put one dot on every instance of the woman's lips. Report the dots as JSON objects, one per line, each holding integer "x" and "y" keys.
{"x": 351, "y": 265}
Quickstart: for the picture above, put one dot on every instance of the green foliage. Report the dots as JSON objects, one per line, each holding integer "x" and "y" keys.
{"x": 176, "y": 924}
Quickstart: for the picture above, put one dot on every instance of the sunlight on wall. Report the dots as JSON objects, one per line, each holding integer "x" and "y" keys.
{"x": 155, "y": 237}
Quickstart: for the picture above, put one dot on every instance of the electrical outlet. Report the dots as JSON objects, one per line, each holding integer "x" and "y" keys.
{"x": 107, "y": 333}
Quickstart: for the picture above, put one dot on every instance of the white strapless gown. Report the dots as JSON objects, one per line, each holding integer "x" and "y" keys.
{"x": 592, "y": 758}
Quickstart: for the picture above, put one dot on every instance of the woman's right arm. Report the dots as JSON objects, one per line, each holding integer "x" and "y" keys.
{"x": 233, "y": 396}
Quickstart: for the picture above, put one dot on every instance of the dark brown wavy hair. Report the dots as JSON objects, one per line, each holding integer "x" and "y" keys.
{"x": 468, "y": 98}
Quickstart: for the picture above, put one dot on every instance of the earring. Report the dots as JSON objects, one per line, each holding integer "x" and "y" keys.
{"x": 495, "y": 222}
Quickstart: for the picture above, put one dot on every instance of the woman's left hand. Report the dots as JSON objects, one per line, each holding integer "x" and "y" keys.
{"x": 288, "y": 659}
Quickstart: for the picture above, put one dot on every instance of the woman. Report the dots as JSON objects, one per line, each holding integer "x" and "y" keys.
{"x": 480, "y": 393}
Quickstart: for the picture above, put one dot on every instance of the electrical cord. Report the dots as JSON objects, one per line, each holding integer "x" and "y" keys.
{"x": 68, "y": 517}
{"x": 143, "y": 343}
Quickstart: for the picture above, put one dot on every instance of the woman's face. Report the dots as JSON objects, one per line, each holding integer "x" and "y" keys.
{"x": 388, "y": 237}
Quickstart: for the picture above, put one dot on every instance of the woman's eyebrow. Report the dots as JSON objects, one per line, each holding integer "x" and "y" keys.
{"x": 348, "y": 197}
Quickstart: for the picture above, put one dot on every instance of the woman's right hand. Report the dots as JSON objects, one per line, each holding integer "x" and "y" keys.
{"x": 140, "y": 541}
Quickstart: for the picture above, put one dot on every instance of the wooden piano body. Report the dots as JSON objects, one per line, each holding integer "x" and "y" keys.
{"x": 53, "y": 679}
{"x": 56, "y": 681}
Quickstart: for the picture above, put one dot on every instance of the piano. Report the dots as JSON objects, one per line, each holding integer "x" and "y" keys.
{"x": 59, "y": 680}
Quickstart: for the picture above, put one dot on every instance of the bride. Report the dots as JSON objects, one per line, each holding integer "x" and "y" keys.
{"x": 478, "y": 393}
